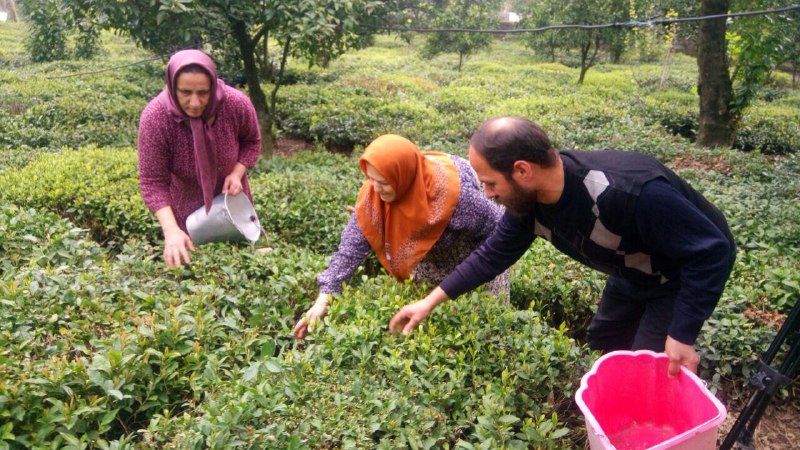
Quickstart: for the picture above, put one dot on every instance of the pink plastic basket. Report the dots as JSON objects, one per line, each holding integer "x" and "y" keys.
{"x": 629, "y": 402}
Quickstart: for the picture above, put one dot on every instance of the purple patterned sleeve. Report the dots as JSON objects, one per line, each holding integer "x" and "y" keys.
{"x": 353, "y": 249}
{"x": 474, "y": 214}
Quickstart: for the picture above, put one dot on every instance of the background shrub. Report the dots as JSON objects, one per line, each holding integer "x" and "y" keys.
{"x": 100, "y": 340}
{"x": 475, "y": 373}
{"x": 47, "y": 36}
{"x": 97, "y": 188}
{"x": 770, "y": 128}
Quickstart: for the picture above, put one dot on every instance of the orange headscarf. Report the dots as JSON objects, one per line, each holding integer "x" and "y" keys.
{"x": 427, "y": 188}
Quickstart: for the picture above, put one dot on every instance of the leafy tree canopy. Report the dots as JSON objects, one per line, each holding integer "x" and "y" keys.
{"x": 470, "y": 14}
{"x": 242, "y": 31}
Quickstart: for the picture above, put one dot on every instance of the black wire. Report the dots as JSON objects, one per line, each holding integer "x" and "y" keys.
{"x": 629, "y": 24}
{"x": 161, "y": 56}
{"x": 107, "y": 69}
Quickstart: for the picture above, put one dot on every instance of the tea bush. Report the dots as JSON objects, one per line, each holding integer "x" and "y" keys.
{"x": 559, "y": 289}
{"x": 771, "y": 128}
{"x": 119, "y": 344}
{"x": 31, "y": 238}
{"x": 304, "y": 199}
{"x": 475, "y": 374}
{"x": 101, "y": 344}
{"x": 675, "y": 111}
{"x": 342, "y": 120}
{"x": 44, "y": 108}
{"x": 97, "y": 188}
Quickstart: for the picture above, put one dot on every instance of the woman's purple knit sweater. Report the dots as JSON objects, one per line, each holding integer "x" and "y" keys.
{"x": 167, "y": 174}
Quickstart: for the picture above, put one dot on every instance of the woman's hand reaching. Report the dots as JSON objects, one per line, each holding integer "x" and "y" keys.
{"x": 306, "y": 323}
{"x": 177, "y": 245}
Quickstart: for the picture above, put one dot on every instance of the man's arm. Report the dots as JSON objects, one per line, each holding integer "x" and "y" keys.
{"x": 510, "y": 240}
{"x": 512, "y": 236}
{"x": 672, "y": 226}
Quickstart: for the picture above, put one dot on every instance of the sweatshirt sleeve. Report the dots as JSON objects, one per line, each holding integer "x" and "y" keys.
{"x": 511, "y": 238}
{"x": 154, "y": 156}
{"x": 671, "y": 225}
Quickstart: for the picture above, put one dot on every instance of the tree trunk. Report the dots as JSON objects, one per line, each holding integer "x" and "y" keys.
{"x": 266, "y": 64}
{"x": 265, "y": 116}
{"x": 9, "y": 7}
{"x": 717, "y": 126}
{"x": 584, "y": 56}
{"x": 587, "y": 61}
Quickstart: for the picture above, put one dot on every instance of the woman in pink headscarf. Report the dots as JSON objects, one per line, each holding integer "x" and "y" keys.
{"x": 197, "y": 139}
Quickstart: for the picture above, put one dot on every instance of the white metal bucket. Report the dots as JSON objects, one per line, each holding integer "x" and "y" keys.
{"x": 231, "y": 218}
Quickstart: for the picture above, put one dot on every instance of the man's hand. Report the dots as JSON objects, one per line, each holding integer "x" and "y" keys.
{"x": 680, "y": 354}
{"x": 409, "y": 316}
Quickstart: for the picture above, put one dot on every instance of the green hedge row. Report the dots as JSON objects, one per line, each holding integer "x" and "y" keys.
{"x": 97, "y": 188}
{"x": 95, "y": 348}
{"x": 475, "y": 375}
{"x": 41, "y": 109}
{"x": 770, "y": 128}
{"x": 367, "y": 93}
{"x": 302, "y": 200}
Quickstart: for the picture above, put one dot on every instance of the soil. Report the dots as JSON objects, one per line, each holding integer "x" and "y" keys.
{"x": 690, "y": 161}
{"x": 289, "y": 145}
{"x": 779, "y": 427}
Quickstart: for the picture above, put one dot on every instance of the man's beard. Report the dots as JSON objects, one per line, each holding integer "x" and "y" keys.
{"x": 519, "y": 202}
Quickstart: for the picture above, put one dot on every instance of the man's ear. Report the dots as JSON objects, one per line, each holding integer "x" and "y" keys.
{"x": 523, "y": 171}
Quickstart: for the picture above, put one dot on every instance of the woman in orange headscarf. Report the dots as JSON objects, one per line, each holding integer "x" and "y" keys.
{"x": 421, "y": 213}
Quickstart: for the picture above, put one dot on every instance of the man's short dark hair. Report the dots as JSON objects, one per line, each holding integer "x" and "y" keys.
{"x": 501, "y": 141}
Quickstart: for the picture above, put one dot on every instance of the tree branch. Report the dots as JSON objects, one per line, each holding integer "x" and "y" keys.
{"x": 260, "y": 34}
{"x": 279, "y": 78}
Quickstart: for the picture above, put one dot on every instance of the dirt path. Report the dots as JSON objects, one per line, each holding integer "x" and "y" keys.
{"x": 779, "y": 428}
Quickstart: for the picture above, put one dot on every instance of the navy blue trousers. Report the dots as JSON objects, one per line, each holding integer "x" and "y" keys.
{"x": 632, "y": 317}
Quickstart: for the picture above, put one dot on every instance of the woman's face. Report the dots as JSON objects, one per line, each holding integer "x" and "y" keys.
{"x": 193, "y": 91}
{"x": 380, "y": 184}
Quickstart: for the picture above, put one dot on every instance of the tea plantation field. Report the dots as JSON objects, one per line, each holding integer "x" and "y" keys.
{"x": 102, "y": 346}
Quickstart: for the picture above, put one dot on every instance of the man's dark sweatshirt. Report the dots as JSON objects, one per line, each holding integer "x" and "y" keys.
{"x": 629, "y": 216}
